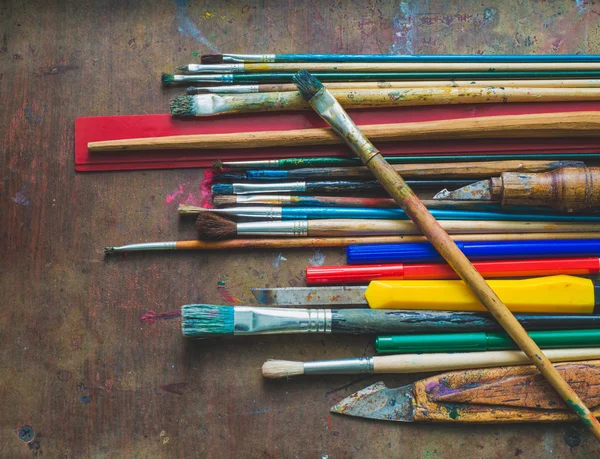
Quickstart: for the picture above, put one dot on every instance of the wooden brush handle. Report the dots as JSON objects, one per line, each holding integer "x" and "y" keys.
{"x": 342, "y": 227}
{"x": 567, "y": 189}
{"x": 508, "y": 394}
{"x": 570, "y": 124}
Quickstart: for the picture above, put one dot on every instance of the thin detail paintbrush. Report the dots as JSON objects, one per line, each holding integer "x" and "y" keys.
{"x": 214, "y": 227}
{"x": 207, "y": 320}
{"x": 219, "y": 104}
{"x": 415, "y": 58}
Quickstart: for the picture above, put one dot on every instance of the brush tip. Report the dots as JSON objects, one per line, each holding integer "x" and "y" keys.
{"x": 167, "y": 78}
{"x": 213, "y": 227}
{"x": 108, "y": 250}
{"x": 222, "y": 188}
{"x": 218, "y": 164}
{"x": 307, "y": 84}
{"x": 212, "y": 59}
{"x": 274, "y": 369}
{"x": 205, "y": 320}
{"x": 183, "y": 68}
{"x": 224, "y": 200}
{"x": 182, "y": 106}
{"x": 193, "y": 90}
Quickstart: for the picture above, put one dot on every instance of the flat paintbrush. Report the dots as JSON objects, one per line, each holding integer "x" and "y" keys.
{"x": 213, "y": 227}
{"x": 282, "y": 87}
{"x": 314, "y": 242}
{"x": 329, "y": 109}
{"x": 320, "y": 213}
{"x": 219, "y": 104}
{"x": 206, "y": 320}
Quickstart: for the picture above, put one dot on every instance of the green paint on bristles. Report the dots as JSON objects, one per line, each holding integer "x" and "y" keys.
{"x": 205, "y": 320}
{"x": 168, "y": 78}
{"x": 182, "y": 106}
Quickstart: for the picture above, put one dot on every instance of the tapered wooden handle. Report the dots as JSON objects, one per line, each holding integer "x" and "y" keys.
{"x": 417, "y": 363}
{"x": 508, "y": 394}
{"x": 571, "y": 124}
{"x": 567, "y": 189}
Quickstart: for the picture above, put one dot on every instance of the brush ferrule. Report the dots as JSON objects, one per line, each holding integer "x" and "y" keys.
{"x": 273, "y": 228}
{"x": 331, "y": 111}
{"x": 230, "y": 58}
{"x": 260, "y": 321}
{"x": 273, "y": 199}
{"x": 266, "y": 212}
{"x": 225, "y": 78}
{"x": 287, "y": 187}
{"x": 249, "y": 164}
{"x": 172, "y": 245}
{"x": 362, "y": 365}
{"x": 215, "y": 68}
{"x": 233, "y": 89}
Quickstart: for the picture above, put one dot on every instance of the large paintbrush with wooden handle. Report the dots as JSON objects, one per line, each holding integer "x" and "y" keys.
{"x": 330, "y": 110}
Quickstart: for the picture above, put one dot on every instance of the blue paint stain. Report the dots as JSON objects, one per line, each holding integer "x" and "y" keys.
{"x": 86, "y": 399}
{"x": 405, "y": 30}
{"x": 21, "y": 198}
{"x": 26, "y": 433}
{"x": 278, "y": 260}
{"x": 188, "y": 28}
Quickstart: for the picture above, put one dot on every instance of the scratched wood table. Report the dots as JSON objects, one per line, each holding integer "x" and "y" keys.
{"x": 84, "y": 371}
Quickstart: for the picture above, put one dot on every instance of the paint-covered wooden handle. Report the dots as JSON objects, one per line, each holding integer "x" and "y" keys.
{"x": 507, "y": 394}
{"x": 566, "y": 189}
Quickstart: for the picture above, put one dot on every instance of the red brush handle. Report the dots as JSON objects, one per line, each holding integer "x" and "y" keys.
{"x": 505, "y": 268}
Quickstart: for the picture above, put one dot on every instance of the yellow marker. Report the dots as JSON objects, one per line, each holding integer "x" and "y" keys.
{"x": 544, "y": 295}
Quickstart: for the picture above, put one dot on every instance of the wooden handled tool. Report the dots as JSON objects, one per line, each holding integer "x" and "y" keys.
{"x": 570, "y": 124}
{"x": 506, "y": 394}
{"x": 330, "y": 110}
{"x": 568, "y": 189}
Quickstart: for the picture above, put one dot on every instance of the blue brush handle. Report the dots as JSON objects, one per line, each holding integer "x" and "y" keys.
{"x": 421, "y": 252}
{"x": 300, "y": 213}
{"x": 421, "y": 58}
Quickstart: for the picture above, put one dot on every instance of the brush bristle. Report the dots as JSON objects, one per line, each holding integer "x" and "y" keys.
{"x": 212, "y": 59}
{"x": 204, "y": 320}
{"x": 182, "y": 106}
{"x": 222, "y": 188}
{"x": 307, "y": 84}
{"x": 213, "y": 227}
{"x": 108, "y": 250}
{"x": 167, "y": 78}
{"x": 274, "y": 369}
{"x": 218, "y": 165}
{"x": 192, "y": 90}
{"x": 224, "y": 200}
{"x": 186, "y": 209}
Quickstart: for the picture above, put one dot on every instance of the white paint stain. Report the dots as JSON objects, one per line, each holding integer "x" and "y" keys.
{"x": 278, "y": 260}
{"x": 188, "y": 28}
{"x": 405, "y": 30}
{"x": 581, "y": 6}
{"x": 317, "y": 259}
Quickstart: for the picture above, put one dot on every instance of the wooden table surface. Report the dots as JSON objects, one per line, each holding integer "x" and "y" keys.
{"x": 83, "y": 373}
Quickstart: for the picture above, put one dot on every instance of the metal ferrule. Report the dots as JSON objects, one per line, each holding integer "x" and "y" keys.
{"x": 230, "y": 58}
{"x": 331, "y": 111}
{"x": 252, "y": 164}
{"x": 362, "y": 365}
{"x": 233, "y": 89}
{"x": 287, "y": 187}
{"x": 271, "y": 228}
{"x": 226, "y": 78}
{"x": 273, "y": 199}
{"x": 146, "y": 246}
{"x": 266, "y": 212}
{"x": 215, "y": 68}
{"x": 262, "y": 321}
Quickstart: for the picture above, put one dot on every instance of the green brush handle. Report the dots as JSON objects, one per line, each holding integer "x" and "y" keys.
{"x": 481, "y": 341}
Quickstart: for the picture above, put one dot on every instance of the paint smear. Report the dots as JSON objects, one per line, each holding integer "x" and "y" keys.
{"x": 150, "y": 317}
{"x": 317, "y": 259}
{"x": 225, "y": 294}
{"x": 278, "y": 261}
{"x": 171, "y": 196}
{"x": 205, "y": 188}
{"x": 405, "y": 29}
{"x": 182, "y": 195}
{"x": 175, "y": 388}
{"x": 187, "y": 28}
{"x": 20, "y": 198}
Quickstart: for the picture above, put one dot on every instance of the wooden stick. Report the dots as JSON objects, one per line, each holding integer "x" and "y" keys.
{"x": 329, "y": 109}
{"x": 569, "y": 124}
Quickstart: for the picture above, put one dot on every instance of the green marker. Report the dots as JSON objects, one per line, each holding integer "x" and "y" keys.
{"x": 482, "y": 341}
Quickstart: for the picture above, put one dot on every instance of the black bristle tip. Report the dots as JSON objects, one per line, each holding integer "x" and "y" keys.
{"x": 193, "y": 90}
{"x": 212, "y": 59}
{"x": 167, "y": 78}
{"x": 182, "y": 106}
{"x": 213, "y": 227}
{"x": 307, "y": 84}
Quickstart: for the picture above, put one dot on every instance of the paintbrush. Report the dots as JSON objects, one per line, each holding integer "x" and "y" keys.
{"x": 535, "y": 125}
{"x": 308, "y": 242}
{"x": 320, "y": 213}
{"x": 568, "y": 189}
{"x": 211, "y": 226}
{"x": 416, "y": 363}
{"x": 329, "y": 109}
{"x": 219, "y": 104}
{"x": 253, "y": 88}
{"x": 206, "y": 320}
{"x": 417, "y": 58}
{"x": 325, "y": 186}
{"x": 333, "y": 161}
{"x": 481, "y": 169}
{"x": 286, "y": 77}
{"x": 391, "y": 67}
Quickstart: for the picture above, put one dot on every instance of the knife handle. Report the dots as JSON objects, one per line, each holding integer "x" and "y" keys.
{"x": 566, "y": 189}
{"x": 507, "y": 394}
